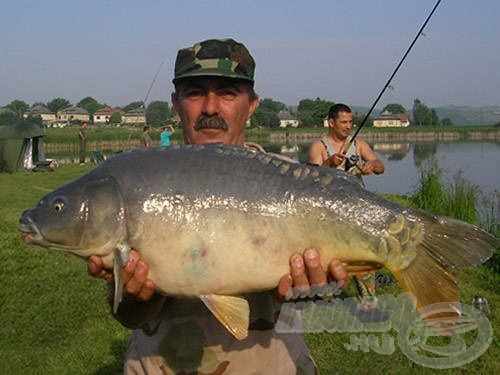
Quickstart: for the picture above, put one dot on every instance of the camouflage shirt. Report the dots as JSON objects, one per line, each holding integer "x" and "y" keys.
{"x": 188, "y": 339}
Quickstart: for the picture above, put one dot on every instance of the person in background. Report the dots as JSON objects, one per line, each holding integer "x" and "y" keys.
{"x": 82, "y": 141}
{"x": 166, "y": 133}
{"x": 146, "y": 138}
{"x": 330, "y": 151}
{"x": 333, "y": 151}
{"x": 214, "y": 97}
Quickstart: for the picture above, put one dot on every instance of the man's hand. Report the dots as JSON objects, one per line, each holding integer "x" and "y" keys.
{"x": 306, "y": 270}
{"x": 95, "y": 268}
{"x": 334, "y": 161}
{"x": 134, "y": 275}
{"x": 368, "y": 168}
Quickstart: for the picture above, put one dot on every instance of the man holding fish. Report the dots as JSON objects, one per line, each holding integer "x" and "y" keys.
{"x": 217, "y": 227}
{"x": 214, "y": 98}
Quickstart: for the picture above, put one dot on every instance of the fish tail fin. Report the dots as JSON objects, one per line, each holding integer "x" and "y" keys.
{"x": 444, "y": 244}
{"x": 453, "y": 243}
{"x": 428, "y": 281}
{"x": 434, "y": 292}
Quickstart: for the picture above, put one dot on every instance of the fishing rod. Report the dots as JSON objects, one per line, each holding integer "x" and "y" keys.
{"x": 420, "y": 32}
{"x": 152, "y": 83}
{"x": 147, "y": 95}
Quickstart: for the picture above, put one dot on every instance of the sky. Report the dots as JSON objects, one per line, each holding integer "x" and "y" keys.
{"x": 337, "y": 50}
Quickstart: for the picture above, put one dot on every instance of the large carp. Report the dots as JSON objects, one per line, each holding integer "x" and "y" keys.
{"x": 217, "y": 221}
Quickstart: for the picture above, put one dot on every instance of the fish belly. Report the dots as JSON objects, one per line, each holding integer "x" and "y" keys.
{"x": 232, "y": 252}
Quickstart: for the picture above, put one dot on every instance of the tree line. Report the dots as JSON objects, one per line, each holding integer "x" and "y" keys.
{"x": 310, "y": 112}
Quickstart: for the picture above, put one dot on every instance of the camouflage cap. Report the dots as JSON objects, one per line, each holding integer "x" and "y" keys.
{"x": 215, "y": 57}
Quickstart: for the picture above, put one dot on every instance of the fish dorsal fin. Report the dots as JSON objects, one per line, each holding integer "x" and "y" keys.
{"x": 232, "y": 312}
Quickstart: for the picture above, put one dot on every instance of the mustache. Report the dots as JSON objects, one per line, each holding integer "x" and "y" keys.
{"x": 211, "y": 122}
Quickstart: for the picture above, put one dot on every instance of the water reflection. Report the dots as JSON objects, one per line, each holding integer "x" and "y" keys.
{"x": 423, "y": 152}
{"x": 392, "y": 151}
{"x": 477, "y": 162}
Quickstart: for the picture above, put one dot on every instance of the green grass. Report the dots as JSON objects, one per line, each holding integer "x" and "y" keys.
{"x": 457, "y": 198}
{"x": 55, "y": 319}
{"x": 333, "y": 358}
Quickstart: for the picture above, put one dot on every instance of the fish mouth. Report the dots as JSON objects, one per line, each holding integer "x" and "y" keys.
{"x": 29, "y": 231}
{"x": 32, "y": 236}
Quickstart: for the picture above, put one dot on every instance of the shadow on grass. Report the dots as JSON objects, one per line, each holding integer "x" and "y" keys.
{"x": 117, "y": 350}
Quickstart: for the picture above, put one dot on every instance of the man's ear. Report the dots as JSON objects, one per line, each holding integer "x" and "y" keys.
{"x": 254, "y": 103}
{"x": 175, "y": 103}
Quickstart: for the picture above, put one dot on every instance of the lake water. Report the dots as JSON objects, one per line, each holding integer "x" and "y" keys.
{"x": 477, "y": 162}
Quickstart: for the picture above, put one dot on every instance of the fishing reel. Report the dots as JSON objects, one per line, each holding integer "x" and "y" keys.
{"x": 351, "y": 161}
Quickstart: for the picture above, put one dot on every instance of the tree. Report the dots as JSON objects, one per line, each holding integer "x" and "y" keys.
{"x": 90, "y": 104}
{"x": 357, "y": 118}
{"x": 18, "y": 106}
{"x": 7, "y": 117}
{"x": 421, "y": 113}
{"x": 266, "y": 113}
{"x": 447, "y": 122}
{"x": 58, "y": 103}
{"x": 394, "y": 108}
{"x": 306, "y": 105}
{"x": 313, "y": 112}
{"x": 270, "y": 105}
{"x": 157, "y": 113}
{"x": 434, "y": 118}
{"x": 306, "y": 118}
{"x": 115, "y": 118}
{"x": 133, "y": 105}
{"x": 266, "y": 119}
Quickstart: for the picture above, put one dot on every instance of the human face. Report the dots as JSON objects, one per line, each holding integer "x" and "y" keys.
{"x": 214, "y": 109}
{"x": 342, "y": 125}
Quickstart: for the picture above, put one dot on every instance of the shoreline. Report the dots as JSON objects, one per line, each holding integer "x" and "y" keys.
{"x": 412, "y": 136}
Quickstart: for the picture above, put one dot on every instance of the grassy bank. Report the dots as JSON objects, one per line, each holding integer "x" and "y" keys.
{"x": 127, "y": 134}
{"x": 55, "y": 320}
{"x": 54, "y": 317}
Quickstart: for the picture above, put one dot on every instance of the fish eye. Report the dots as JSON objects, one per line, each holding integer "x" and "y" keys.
{"x": 58, "y": 205}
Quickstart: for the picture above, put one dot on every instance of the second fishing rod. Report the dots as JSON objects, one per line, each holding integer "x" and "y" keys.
{"x": 350, "y": 162}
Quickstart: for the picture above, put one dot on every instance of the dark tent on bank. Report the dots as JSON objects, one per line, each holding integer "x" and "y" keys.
{"x": 21, "y": 146}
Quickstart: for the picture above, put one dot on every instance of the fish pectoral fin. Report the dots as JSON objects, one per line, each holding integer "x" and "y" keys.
{"x": 122, "y": 252}
{"x": 232, "y": 312}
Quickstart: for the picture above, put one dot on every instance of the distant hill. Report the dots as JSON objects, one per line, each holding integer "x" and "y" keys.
{"x": 464, "y": 115}
{"x": 459, "y": 115}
